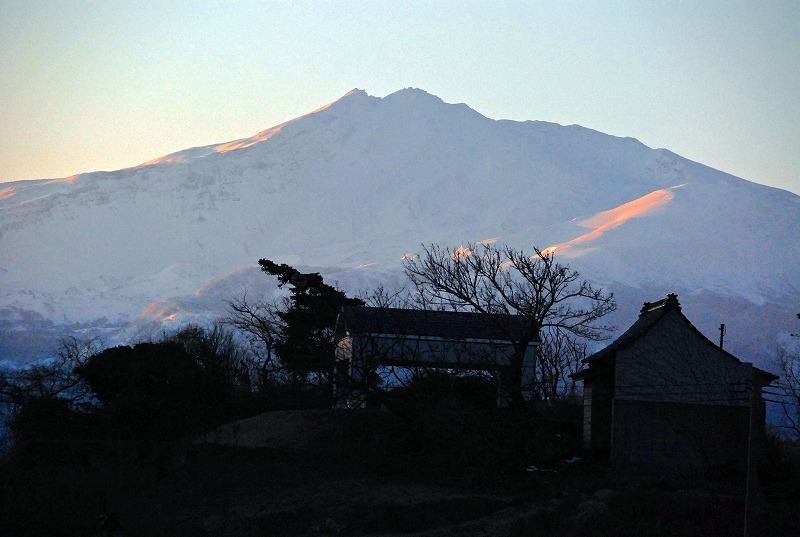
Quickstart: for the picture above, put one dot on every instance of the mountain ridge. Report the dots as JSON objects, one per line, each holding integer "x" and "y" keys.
{"x": 360, "y": 182}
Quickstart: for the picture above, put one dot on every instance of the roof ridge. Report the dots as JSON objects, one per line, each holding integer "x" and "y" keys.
{"x": 671, "y": 302}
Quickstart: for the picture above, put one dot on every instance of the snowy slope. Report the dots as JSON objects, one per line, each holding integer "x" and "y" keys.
{"x": 352, "y": 187}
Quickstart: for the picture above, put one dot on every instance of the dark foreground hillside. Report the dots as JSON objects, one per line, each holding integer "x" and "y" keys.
{"x": 315, "y": 473}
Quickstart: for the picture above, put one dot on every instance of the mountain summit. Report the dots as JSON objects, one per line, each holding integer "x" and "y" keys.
{"x": 353, "y": 186}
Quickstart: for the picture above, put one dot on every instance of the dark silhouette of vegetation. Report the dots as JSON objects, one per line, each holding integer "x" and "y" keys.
{"x": 55, "y": 378}
{"x": 490, "y": 280}
{"x": 149, "y": 391}
{"x": 48, "y": 420}
{"x": 104, "y": 434}
{"x": 290, "y": 340}
{"x": 788, "y": 387}
{"x": 306, "y": 345}
{"x": 440, "y": 389}
{"x": 478, "y": 470}
{"x": 259, "y": 325}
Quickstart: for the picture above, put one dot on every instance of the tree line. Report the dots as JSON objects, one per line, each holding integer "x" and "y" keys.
{"x": 280, "y": 353}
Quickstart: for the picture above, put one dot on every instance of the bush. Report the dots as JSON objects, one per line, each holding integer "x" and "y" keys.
{"x": 779, "y": 467}
{"x": 437, "y": 389}
{"x": 44, "y": 420}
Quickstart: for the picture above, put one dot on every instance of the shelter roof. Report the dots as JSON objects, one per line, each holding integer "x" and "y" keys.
{"x": 455, "y": 325}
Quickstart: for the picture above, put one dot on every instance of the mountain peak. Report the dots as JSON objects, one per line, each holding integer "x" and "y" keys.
{"x": 355, "y": 98}
{"x": 354, "y": 91}
{"x": 409, "y": 94}
{"x": 354, "y": 94}
{"x": 362, "y": 181}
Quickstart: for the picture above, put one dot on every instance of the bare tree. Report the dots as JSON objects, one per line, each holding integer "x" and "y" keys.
{"x": 261, "y": 324}
{"x": 491, "y": 279}
{"x": 788, "y": 360}
{"x": 560, "y": 355}
{"x": 218, "y": 353}
{"x": 54, "y": 378}
{"x": 381, "y": 297}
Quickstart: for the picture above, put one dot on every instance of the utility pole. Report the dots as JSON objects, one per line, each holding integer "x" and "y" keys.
{"x": 721, "y": 335}
{"x": 752, "y": 449}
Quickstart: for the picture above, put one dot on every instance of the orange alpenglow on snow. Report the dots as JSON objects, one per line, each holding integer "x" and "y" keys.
{"x": 606, "y": 220}
{"x": 151, "y": 309}
{"x": 461, "y": 253}
{"x": 169, "y": 159}
{"x": 267, "y": 134}
{"x": 158, "y": 311}
{"x": 247, "y": 142}
{"x": 6, "y": 193}
{"x": 242, "y": 143}
{"x": 69, "y": 179}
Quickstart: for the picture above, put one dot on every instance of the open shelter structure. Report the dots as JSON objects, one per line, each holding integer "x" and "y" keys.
{"x": 370, "y": 338}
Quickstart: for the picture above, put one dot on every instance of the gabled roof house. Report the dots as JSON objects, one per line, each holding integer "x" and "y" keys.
{"x": 662, "y": 398}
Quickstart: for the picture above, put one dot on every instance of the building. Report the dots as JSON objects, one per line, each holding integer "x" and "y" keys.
{"x": 662, "y": 398}
{"x": 373, "y": 338}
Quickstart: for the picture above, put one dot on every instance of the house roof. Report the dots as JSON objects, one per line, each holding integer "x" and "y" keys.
{"x": 455, "y": 325}
{"x": 650, "y": 314}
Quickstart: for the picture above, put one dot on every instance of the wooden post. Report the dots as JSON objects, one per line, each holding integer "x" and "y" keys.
{"x": 751, "y": 492}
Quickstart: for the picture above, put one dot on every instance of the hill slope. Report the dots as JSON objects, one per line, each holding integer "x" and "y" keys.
{"x": 352, "y": 187}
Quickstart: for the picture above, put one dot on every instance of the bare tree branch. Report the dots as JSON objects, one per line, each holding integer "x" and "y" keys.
{"x": 54, "y": 378}
{"x": 502, "y": 280}
{"x": 789, "y": 363}
{"x": 261, "y": 324}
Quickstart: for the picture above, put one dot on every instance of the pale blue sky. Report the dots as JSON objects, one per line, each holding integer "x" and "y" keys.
{"x": 102, "y": 85}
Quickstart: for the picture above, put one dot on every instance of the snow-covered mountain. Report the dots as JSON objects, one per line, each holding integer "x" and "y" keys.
{"x": 352, "y": 187}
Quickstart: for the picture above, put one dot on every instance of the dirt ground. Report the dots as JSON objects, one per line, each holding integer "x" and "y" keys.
{"x": 318, "y": 473}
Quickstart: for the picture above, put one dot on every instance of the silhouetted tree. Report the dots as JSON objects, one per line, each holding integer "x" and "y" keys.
{"x": 491, "y": 279}
{"x": 559, "y": 356}
{"x": 261, "y": 325}
{"x": 50, "y": 420}
{"x": 41, "y": 402}
{"x": 220, "y": 358}
{"x": 54, "y": 378}
{"x": 789, "y": 386}
{"x": 165, "y": 389}
{"x": 150, "y": 390}
{"x": 306, "y": 341}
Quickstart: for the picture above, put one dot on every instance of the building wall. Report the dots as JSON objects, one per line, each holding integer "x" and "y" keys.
{"x": 598, "y": 394}
{"x": 679, "y": 438}
{"x": 681, "y": 404}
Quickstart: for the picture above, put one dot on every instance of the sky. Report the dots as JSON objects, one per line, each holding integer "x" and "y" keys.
{"x": 108, "y": 84}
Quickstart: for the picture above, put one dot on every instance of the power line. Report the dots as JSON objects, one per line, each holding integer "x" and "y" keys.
{"x": 677, "y": 384}
{"x": 787, "y": 403}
